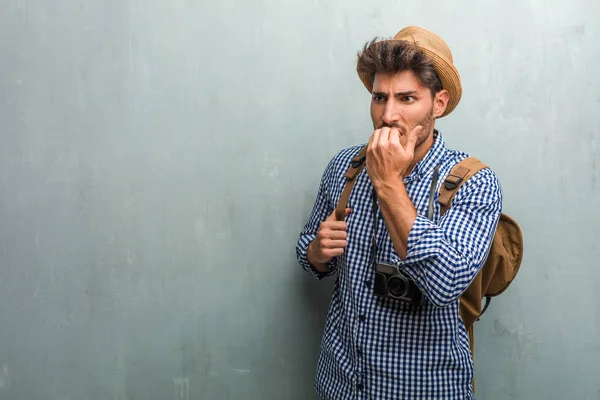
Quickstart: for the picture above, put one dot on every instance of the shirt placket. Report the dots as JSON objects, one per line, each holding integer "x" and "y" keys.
{"x": 360, "y": 383}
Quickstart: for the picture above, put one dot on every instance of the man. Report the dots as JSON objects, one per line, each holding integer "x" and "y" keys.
{"x": 377, "y": 347}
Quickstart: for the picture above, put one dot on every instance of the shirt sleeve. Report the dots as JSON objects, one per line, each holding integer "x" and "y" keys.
{"x": 322, "y": 208}
{"x": 444, "y": 258}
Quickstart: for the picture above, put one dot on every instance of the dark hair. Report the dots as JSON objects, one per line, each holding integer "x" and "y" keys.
{"x": 397, "y": 56}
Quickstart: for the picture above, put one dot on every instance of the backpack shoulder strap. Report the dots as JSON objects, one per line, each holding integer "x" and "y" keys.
{"x": 356, "y": 165}
{"x": 455, "y": 179}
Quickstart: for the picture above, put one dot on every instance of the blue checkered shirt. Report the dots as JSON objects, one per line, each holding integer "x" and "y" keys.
{"x": 375, "y": 348}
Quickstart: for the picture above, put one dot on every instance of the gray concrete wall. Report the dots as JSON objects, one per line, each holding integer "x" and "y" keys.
{"x": 158, "y": 159}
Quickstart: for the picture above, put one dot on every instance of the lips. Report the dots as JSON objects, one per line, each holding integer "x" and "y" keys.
{"x": 400, "y": 129}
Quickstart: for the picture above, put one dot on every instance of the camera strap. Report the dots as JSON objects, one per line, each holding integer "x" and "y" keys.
{"x": 432, "y": 191}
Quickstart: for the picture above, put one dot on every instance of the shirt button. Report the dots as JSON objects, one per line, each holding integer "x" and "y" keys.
{"x": 359, "y": 352}
{"x": 362, "y": 318}
{"x": 368, "y": 284}
{"x": 360, "y": 386}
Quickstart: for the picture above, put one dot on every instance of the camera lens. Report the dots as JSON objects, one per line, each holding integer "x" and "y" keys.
{"x": 396, "y": 286}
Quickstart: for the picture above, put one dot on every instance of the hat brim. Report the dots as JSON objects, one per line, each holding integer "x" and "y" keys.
{"x": 447, "y": 73}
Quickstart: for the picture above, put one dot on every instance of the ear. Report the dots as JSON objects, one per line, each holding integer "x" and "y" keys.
{"x": 440, "y": 102}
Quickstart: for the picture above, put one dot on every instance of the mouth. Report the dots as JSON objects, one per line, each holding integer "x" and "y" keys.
{"x": 399, "y": 128}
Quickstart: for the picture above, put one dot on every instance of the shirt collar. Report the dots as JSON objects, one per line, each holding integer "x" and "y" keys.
{"x": 433, "y": 158}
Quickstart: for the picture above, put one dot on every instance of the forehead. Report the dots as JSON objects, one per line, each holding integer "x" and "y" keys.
{"x": 404, "y": 81}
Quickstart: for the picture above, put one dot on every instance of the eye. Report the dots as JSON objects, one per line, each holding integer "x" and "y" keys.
{"x": 408, "y": 99}
{"x": 378, "y": 99}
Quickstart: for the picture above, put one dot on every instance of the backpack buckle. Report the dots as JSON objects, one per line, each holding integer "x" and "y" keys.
{"x": 357, "y": 162}
{"x": 452, "y": 181}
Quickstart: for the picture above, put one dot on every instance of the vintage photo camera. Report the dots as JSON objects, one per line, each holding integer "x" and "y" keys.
{"x": 392, "y": 283}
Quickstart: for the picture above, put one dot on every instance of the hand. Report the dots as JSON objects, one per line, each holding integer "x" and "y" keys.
{"x": 387, "y": 158}
{"x": 330, "y": 241}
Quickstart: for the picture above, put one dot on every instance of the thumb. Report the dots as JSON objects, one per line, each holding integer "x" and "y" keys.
{"x": 412, "y": 138}
{"x": 333, "y": 216}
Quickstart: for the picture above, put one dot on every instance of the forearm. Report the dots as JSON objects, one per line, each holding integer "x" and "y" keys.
{"x": 442, "y": 265}
{"x": 444, "y": 256}
{"x": 321, "y": 209}
{"x": 398, "y": 212}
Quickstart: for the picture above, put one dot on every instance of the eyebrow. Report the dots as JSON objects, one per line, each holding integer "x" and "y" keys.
{"x": 408, "y": 93}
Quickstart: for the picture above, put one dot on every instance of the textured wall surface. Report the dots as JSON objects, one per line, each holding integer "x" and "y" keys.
{"x": 158, "y": 159}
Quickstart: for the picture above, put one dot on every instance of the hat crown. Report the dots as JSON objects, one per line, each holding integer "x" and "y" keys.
{"x": 425, "y": 39}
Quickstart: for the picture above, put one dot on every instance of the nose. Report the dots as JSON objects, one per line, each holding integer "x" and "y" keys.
{"x": 391, "y": 116}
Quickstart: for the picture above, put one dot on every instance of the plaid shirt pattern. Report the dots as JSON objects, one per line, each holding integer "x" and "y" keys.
{"x": 375, "y": 348}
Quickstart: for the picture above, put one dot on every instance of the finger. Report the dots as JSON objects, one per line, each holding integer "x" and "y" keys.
{"x": 336, "y": 235}
{"x": 334, "y": 244}
{"x": 374, "y": 139}
{"x": 395, "y": 136}
{"x": 384, "y": 136}
{"x": 330, "y": 253}
{"x": 327, "y": 229}
{"x": 336, "y": 225}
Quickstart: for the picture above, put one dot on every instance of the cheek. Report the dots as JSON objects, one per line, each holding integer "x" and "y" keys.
{"x": 419, "y": 114}
{"x": 375, "y": 114}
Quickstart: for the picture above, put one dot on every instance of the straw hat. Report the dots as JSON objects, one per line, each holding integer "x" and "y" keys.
{"x": 438, "y": 51}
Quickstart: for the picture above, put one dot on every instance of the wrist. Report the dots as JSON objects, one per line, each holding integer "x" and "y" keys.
{"x": 390, "y": 188}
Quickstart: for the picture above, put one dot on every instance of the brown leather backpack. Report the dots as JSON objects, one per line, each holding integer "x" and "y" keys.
{"x": 504, "y": 258}
{"x": 506, "y": 251}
